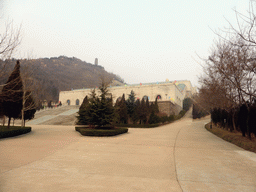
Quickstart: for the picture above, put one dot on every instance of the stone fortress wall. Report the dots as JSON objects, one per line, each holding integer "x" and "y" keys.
{"x": 170, "y": 95}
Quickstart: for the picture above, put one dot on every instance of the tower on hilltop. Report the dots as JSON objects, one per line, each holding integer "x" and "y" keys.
{"x": 96, "y": 61}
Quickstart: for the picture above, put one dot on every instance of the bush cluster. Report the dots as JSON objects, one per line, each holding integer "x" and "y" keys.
{"x": 13, "y": 131}
{"x": 241, "y": 118}
{"x": 99, "y": 111}
{"x": 198, "y": 111}
{"x": 101, "y": 132}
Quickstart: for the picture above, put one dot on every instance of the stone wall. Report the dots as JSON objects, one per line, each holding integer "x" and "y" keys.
{"x": 169, "y": 108}
{"x": 169, "y": 95}
{"x": 165, "y": 91}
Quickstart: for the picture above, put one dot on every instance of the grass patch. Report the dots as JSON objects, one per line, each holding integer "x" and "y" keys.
{"x": 13, "y": 131}
{"x": 104, "y": 132}
{"x": 233, "y": 137}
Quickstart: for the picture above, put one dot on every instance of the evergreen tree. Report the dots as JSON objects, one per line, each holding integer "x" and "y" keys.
{"x": 151, "y": 107}
{"x": 29, "y": 108}
{"x": 92, "y": 111}
{"x": 82, "y": 113}
{"x": 122, "y": 111}
{"x": 153, "y": 118}
{"x": 135, "y": 117}
{"x": 156, "y": 108}
{"x": 99, "y": 111}
{"x": 143, "y": 112}
{"x": 131, "y": 104}
{"x": 242, "y": 119}
{"x": 195, "y": 111}
{"x": 116, "y": 113}
{"x": 105, "y": 111}
{"x": 187, "y": 102}
{"x": 12, "y": 94}
{"x": 1, "y": 107}
{"x": 252, "y": 119}
{"x": 147, "y": 107}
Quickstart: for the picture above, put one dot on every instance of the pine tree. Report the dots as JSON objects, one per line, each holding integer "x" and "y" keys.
{"x": 187, "y": 102}
{"x": 92, "y": 111}
{"x": 130, "y": 103}
{"x": 122, "y": 111}
{"x": 1, "y": 111}
{"x": 82, "y": 113}
{"x": 12, "y": 94}
{"x": 1, "y": 107}
{"x": 143, "y": 112}
{"x": 106, "y": 110}
{"x": 153, "y": 118}
{"x": 135, "y": 117}
{"x": 243, "y": 119}
{"x": 156, "y": 108}
{"x": 29, "y": 108}
{"x": 147, "y": 107}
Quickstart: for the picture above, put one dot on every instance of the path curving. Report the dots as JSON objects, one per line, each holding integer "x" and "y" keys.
{"x": 181, "y": 156}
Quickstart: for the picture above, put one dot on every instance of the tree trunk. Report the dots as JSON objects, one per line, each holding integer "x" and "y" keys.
{"x": 233, "y": 121}
{"x": 22, "y": 117}
{"x": 9, "y": 122}
{"x": 3, "y": 121}
{"x": 247, "y": 128}
{"x": 247, "y": 119}
{"x": 22, "y": 111}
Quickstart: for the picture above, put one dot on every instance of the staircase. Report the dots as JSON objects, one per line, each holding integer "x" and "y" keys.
{"x": 64, "y": 115}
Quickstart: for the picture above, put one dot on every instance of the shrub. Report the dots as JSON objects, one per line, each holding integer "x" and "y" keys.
{"x": 187, "y": 103}
{"x": 153, "y": 118}
{"x": 164, "y": 119}
{"x": 138, "y": 125}
{"x": 171, "y": 118}
{"x": 13, "y": 131}
{"x": 101, "y": 132}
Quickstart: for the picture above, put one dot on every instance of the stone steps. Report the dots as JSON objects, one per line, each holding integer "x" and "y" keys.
{"x": 64, "y": 115}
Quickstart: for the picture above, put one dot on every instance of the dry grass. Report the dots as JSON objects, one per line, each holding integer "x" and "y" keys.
{"x": 234, "y": 137}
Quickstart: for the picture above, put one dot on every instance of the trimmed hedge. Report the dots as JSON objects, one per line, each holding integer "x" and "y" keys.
{"x": 101, "y": 132}
{"x": 233, "y": 137}
{"x": 138, "y": 125}
{"x": 13, "y": 131}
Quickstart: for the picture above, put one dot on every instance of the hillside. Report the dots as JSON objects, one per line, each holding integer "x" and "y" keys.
{"x": 59, "y": 74}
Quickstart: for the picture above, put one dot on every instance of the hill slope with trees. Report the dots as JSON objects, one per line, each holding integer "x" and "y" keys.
{"x": 59, "y": 74}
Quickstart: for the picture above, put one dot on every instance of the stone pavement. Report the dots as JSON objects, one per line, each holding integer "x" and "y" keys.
{"x": 181, "y": 156}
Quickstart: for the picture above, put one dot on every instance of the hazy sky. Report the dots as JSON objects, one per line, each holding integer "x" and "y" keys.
{"x": 140, "y": 40}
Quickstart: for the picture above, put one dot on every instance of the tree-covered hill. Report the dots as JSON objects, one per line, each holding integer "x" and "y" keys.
{"x": 58, "y": 74}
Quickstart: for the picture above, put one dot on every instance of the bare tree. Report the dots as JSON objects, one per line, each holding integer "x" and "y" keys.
{"x": 229, "y": 79}
{"x": 231, "y": 69}
{"x": 29, "y": 89}
{"x": 10, "y": 39}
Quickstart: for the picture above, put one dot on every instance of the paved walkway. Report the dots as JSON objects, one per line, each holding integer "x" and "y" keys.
{"x": 181, "y": 156}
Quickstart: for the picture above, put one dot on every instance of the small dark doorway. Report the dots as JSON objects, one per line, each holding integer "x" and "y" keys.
{"x": 158, "y": 97}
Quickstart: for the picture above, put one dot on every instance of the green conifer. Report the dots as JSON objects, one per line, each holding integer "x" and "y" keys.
{"x": 30, "y": 107}
{"x": 12, "y": 94}
{"x": 122, "y": 111}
